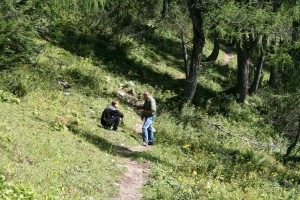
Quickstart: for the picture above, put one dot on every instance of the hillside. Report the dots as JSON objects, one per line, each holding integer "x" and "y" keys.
{"x": 52, "y": 141}
{"x": 53, "y": 146}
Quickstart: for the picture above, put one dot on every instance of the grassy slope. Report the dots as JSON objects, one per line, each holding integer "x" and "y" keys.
{"x": 53, "y": 143}
{"x": 44, "y": 154}
{"x": 56, "y": 143}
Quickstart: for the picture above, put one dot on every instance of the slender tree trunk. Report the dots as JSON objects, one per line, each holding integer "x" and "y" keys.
{"x": 215, "y": 53}
{"x": 243, "y": 70}
{"x": 273, "y": 69}
{"x": 198, "y": 44}
{"x": 185, "y": 53}
{"x": 258, "y": 71}
{"x": 296, "y": 29}
{"x": 165, "y": 8}
{"x": 293, "y": 145}
{"x": 273, "y": 76}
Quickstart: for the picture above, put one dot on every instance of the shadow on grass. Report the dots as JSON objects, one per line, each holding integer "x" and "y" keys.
{"x": 115, "y": 56}
{"x": 222, "y": 76}
{"x": 202, "y": 95}
{"x": 247, "y": 161}
{"x": 116, "y": 150}
{"x": 165, "y": 47}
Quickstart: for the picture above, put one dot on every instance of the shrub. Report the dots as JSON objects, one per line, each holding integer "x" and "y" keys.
{"x": 11, "y": 191}
{"x": 5, "y": 97}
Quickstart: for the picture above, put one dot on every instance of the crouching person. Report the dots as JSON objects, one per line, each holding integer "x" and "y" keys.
{"x": 111, "y": 116}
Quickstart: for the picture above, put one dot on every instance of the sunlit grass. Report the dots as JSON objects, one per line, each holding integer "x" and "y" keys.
{"x": 51, "y": 139}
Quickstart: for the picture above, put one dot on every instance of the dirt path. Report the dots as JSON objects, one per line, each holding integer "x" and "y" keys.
{"x": 227, "y": 59}
{"x": 136, "y": 175}
{"x": 228, "y": 56}
{"x": 134, "y": 179}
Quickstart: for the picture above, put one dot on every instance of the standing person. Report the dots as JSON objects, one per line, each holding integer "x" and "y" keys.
{"x": 148, "y": 114}
{"x": 111, "y": 116}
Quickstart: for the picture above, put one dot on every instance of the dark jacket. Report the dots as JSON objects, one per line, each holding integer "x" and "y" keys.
{"x": 109, "y": 114}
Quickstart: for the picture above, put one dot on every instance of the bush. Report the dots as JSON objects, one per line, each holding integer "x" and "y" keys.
{"x": 15, "y": 83}
{"x": 190, "y": 116}
{"x": 11, "y": 191}
{"x": 5, "y": 97}
{"x": 16, "y": 33}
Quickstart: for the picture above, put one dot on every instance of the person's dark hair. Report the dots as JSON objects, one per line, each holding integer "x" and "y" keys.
{"x": 114, "y": 102}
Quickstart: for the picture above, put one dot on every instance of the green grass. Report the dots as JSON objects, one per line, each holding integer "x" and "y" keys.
{"x": 45, "y": 154}
{"x": 52, "y": 140}
{"x": 207, "y": 163}
{"x": 53, "y": 147}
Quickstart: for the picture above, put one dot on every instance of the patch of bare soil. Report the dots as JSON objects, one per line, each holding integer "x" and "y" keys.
{"x": 228, "y": 56}
{"x": 227, "y": 59}
{"x": 181, "y": 76}
{"x": 136, "y": 175}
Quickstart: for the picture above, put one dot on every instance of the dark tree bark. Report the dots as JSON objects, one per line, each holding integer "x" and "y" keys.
{"x": 185, "y": 53}
{"x": 215, "y": 53}
{"x": 165, "y": 8}
{"x": 273, "y": 69}
{"x": 296, "y": 27}
{"x": 273, "y": 76}
{"x": 198, "y": 44}
{"x": 243, "y": 70}
{"x": 293, "y": 145}
{"x": 260, "y": 65}
{"x": 276, "y": 5}
{"x": 245, "y": 47}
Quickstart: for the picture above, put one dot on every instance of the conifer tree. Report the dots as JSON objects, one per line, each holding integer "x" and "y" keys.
{"x": 16, "y": 34}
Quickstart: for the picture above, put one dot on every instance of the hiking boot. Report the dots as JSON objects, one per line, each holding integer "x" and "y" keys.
{"x": 145, "y": 144}
{"x": 150, "y": 143}
{"x": 107, "y": 127}
{"x": 117, "y": 130}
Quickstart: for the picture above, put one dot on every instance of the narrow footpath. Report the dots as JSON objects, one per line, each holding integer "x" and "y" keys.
{"x": 136, "y": 175}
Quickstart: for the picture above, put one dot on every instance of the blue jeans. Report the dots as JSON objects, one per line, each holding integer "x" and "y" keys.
{"x": 148, "y": 135}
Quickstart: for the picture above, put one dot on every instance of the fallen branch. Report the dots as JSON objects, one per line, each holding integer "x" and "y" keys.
{"x": 221, "y": 128}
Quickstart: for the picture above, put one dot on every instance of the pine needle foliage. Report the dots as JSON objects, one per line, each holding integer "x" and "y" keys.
{"x": 16, "y": 35}
{"x": 87, "y": 5}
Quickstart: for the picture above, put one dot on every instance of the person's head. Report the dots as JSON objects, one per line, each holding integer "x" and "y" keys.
{"x": 115, "y": 103}
{"x": 146, "y": 95}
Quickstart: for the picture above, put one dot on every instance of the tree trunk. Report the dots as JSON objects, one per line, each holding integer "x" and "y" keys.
{"x": 185, "y": 53}
{"x": 273, "y": 76}
{"x": 295, "y": 36}
{"x": 215, "y": 53}
{"x": 198, "y": 44}
{"x": 273, "y": 69}
{"x": 165, "y": 8}
{"x": 293, "y": 145}
{"x": 243, "y": 70}
{"x": 260, "y": 65}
